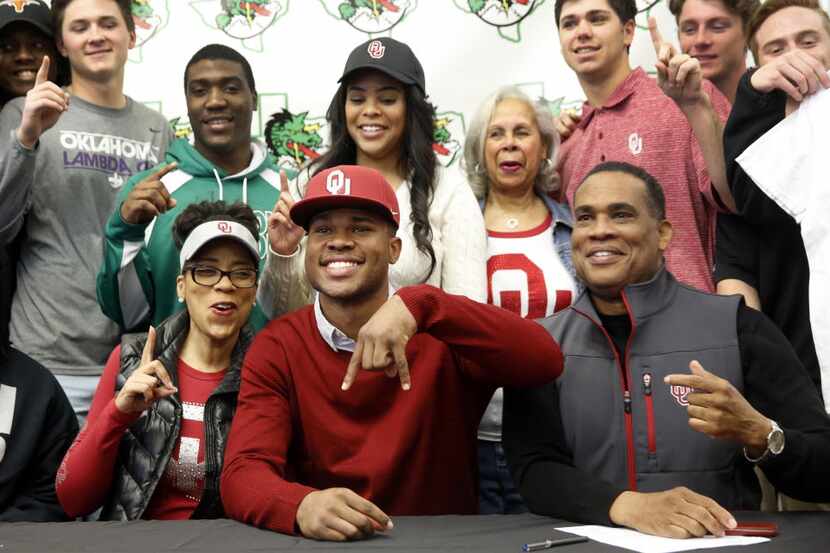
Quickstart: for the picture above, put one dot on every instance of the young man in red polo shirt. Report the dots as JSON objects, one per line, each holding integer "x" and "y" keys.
{"x": 672, "y": 126}
{"x": 321, "y": 449}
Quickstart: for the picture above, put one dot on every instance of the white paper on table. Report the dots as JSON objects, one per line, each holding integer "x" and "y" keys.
{"x": 645, "y": 543}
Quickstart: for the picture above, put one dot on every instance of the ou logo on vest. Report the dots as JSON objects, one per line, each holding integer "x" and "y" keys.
{"x": 338, "y": 184}
{"x": 680, "y": 394}
{"x": 224, "y": 227}
{"x": 376, "y": 49}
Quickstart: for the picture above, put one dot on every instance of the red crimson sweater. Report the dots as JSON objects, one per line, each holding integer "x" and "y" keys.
{"x": 411, "y": 453}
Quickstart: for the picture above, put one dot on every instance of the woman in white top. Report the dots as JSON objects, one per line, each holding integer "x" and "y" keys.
{"x": 509, "y": 155}
{"x": 380, "y": 118}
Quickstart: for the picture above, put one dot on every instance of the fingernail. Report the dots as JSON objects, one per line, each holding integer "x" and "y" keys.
{"x": 344, "y": 386}
{"x": 731, "y": 523}
{"x": 389, "y": 525}
{"x": 405, "y": 386}
{"x": 666, "y": 379}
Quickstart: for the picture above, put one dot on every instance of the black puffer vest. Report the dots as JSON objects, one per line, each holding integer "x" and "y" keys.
{"x": 148, "y": 444}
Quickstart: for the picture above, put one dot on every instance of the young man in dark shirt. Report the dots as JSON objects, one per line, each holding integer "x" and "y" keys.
{"x": 623, "y": 437}
{"x": 760, "y": 252}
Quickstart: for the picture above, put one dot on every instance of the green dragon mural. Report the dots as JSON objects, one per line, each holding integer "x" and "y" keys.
{"x": 292, "y": 139}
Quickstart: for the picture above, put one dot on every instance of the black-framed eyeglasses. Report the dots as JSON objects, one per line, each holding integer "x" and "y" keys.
{"x": 205, "y": 275}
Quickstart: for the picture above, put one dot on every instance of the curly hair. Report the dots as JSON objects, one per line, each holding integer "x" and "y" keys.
{"x": 547, "y": 179}
{"x": 417, "y": 158}
{"x": 195, "y": 214}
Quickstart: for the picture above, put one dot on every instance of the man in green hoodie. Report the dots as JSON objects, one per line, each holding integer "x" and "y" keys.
{"x": 137, "y": 281}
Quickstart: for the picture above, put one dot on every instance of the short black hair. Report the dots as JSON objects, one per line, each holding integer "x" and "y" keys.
{"x": 222, "y": 52}
{"x": 655, "y": 198}
{"x": 626, "y": 10}
{"x": 195, "y": 214}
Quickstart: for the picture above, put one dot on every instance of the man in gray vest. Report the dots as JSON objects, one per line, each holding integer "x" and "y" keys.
{"x": 654, "y": 370}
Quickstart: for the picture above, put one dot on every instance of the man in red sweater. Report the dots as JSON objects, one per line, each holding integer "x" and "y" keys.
{"x": 319, "y": 447}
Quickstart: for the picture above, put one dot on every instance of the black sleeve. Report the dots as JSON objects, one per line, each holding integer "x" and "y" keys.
{"x": 736, "y": 250}
{"x": 541, "y": 464}
{"x": 35, "y": 499}
{"x": 778, "y": 386}
{"x": 753, "y": 114}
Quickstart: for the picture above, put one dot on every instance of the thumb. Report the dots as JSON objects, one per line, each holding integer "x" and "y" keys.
{"x": 43, "y": 73}
{"x": 697, "y": 369}
{"x": 149, "y": 347}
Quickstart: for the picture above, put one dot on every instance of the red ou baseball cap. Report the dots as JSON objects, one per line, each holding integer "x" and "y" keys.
{"x": 343, "y": 187}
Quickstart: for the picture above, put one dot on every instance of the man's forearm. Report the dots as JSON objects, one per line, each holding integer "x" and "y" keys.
{"x": 708, "y": 130}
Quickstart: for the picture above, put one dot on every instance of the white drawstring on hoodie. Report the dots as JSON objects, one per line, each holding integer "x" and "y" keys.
{"x": 222, "y": 187}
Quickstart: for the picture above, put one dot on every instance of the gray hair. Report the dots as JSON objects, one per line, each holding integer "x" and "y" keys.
{"x": 547, "y": 179}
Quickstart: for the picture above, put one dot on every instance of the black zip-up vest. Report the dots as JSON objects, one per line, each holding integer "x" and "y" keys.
{"x": 630, "y": 428}
{"x": 148, "y": 444}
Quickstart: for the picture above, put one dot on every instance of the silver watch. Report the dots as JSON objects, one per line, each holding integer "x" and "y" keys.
{"x": 775, "y": 444}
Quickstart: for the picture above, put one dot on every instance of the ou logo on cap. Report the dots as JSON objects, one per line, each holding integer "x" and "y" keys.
{"x": 224, "y": 227}
{"x": 376, "y": 49}
{"x": 337, "y": 181}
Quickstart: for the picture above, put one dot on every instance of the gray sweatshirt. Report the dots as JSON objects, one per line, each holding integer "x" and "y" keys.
{"x": 61, "y": 195}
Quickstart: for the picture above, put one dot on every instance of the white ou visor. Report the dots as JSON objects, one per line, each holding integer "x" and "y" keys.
{"x": 212, "y": 230}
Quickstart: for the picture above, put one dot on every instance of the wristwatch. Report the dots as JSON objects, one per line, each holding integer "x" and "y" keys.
{"x": 775, "y": 444}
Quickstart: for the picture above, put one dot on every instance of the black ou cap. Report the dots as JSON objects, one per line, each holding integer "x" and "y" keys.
{"x": 34, "y": 12}
{"x": 390, "y": 56}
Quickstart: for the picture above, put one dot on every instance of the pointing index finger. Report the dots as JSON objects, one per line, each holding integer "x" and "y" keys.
{"x": 149, "y": 347}
{"x": 42, "y": 73}
{"x": 656, "y": 37}
{"x": 163, "y": 170}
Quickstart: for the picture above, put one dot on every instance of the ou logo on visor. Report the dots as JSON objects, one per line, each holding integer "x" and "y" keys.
{"x": 338, "y": 183}
{"x": 224, "y": 227}
{"x": 376, "y": 49}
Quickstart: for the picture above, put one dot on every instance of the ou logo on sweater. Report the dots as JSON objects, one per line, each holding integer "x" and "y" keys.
{"x": 337, "y": 181}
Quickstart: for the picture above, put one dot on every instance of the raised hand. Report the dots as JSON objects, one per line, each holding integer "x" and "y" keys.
{"x": 566, "y": 123}
{"x": 717, "y": 409}
{"x": 797, "y": 73}
{"x": 44, "y": 105}
{"x": 149, "y": 382}
{"x": 149, "y": 198}
{"x": 381, "y": 343}
{"x": 283, "y": 235}
{"x": 675, "y": 513}
{"x": 678, "y": 75}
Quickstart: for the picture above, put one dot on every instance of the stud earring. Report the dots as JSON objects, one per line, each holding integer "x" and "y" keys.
{"x": 181, "y": 299}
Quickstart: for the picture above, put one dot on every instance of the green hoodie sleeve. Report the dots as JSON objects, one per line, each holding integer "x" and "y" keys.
{"x": 124, "y": 284}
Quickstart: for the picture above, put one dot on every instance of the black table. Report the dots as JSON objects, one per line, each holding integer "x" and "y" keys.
{"x": 800, "y": 532}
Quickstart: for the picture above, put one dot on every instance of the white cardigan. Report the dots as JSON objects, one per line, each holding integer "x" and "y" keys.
{"x": 458, "y": 238}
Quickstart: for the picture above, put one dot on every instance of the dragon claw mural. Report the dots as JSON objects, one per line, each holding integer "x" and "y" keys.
{"x": 372, "y": 17}
{"x": 294, "y": 139}
{"x": 244, "y": 20}
{"x": 505, "y": 15}
{"x": 150, "y": 17}
{"x": 448, "y": 136}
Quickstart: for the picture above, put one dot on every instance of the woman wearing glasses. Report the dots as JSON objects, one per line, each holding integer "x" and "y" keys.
{"x": 153, "y": 444}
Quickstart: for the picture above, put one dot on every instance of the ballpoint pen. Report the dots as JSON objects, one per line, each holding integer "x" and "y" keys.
{"x": 547, "y": 544}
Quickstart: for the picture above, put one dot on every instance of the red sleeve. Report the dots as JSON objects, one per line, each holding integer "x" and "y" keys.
{"x": 254, "y": 486}
{"x": 722, "y": 107}
{"x": 501, "y": 348}
{"x": 85, "y": 475}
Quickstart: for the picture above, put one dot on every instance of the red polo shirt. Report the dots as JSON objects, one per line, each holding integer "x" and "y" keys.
{"x": 642, "y": 126}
